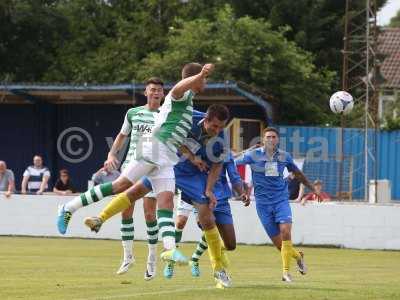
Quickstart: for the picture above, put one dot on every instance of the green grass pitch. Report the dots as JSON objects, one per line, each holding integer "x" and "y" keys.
{"x": 56, "y": 269}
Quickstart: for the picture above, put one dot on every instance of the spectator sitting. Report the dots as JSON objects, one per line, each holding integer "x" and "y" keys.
{"x": 7, "y": 182}
{"x": 64, "y": 185}
{"x": 103, "y": 175}
{"x": 36, "y": 177}
{"x": 296, "y": 189}
{"x": 317, "y": 195}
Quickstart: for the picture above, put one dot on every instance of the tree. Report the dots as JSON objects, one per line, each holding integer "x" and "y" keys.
{"x": 316, "y": 26}
{"x": 31, "y": 33}
{"x": 395, "y": 21}
{"x": 248, "y": 50}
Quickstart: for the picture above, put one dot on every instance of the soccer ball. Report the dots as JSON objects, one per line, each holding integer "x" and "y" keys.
{"x": 341, "y": 102}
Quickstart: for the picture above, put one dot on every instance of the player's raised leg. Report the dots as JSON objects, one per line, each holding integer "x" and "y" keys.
{"x": 118, "y": 204}
{"x": 133, "y": 172}
{"x": 91, "y": 196}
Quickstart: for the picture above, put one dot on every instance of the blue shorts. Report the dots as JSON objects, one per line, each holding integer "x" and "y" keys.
{"x": 222, "y": 212}
{"x": 271, "y": 215}
{"x": 192, "y": 187}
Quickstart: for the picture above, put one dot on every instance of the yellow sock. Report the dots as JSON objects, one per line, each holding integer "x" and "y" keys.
{"x": 295, "y": 254}
{"x": 286, "y": 253}
{"x": 214, "y": 248}
{"x": 116, "y": 205}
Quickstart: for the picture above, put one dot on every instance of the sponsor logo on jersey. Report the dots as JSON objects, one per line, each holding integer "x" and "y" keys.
{"x": 144, "y": 128}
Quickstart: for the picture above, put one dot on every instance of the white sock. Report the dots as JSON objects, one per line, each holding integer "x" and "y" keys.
{"x": 74, "y": 204}
{"x": 128, "y": 249}
{"x": 152, "y": 257}
{"x": 169, "y": 242}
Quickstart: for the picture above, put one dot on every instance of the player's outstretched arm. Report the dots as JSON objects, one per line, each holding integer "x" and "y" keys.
{"x": 303, "y": 179}
{"x": 191, "y": 82}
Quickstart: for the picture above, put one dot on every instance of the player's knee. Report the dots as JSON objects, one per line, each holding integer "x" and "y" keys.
{"x": 120, "y": 185}
{"x": 127, "y": 213}
{"x": 285, "y": 234}
{"x": 180, "y": 223}
{"x": 150, "y": 216}
{"x": 207, "y": 223}
{"x": 230, "y": 246}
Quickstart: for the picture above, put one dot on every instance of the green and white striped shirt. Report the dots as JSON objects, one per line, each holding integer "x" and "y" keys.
{"x": 139, "y": 122}
{"x": 174, "y": 120}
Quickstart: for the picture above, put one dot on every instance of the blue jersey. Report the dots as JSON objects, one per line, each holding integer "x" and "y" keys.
{"x": 210, "y": 150}
{"x": 267, "y": 174}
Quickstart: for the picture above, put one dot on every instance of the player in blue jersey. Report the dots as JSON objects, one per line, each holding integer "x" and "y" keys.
{"x": 204, "y": 149}
{"x": 222, "y": 212}
{"x": 272, "y": 197}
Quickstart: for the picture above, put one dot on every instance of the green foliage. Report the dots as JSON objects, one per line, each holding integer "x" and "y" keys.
{"x": 248, "y": 50}
{"x": 395, "y": 21}
{"x": 289, "y": 49}
{"x": 316, "y": 26}
{"x": 31, "y": 33}
{"x": 391, "y": 124}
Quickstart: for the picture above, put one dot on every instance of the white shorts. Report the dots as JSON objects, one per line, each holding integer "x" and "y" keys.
{"x": 184, "y": 208}
{"x": 151, "y": 195}
{"x": 155, "y": 161}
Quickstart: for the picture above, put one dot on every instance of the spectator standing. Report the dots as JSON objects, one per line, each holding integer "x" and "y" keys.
{"x": 36, "y": 177}
{"x": 7, "y": 181}
{"x": 64, "y": 184}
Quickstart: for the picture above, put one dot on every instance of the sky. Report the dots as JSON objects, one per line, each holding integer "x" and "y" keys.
{"x": 387, "y": 12}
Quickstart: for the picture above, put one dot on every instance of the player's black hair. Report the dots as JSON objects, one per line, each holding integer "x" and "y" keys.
{"x": 154, "y": 80}
{"x": 221, "y": 112}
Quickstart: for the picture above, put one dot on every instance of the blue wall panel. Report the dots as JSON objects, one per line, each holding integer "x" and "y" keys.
{"x": 306, "y": 140}
{"x": 29, "y": 129}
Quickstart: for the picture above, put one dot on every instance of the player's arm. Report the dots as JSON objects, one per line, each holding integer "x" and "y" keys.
{"x": 213, "y": 175}
{"x": 292, "y": 167}
{"x": 303, "y": 179}
{"x": 190, "y": 82}
{"x": 197, "y": 161}
{"x": 245, "y": 158}
{"x": 112, "y": 161}
{"x": 301, "y": 193}
{"x": 237, "y": 183}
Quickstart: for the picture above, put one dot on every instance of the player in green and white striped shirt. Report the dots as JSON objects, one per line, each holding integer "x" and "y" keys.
{"x": 156, "y": 157}
{"x": 138, "y": 123}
